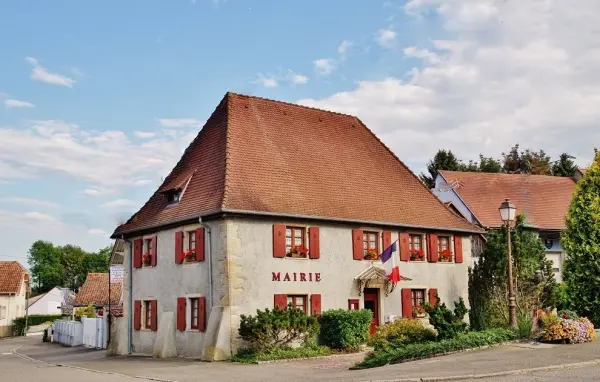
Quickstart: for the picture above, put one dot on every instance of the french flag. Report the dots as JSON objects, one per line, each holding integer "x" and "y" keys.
{"x": 390, "y": 264}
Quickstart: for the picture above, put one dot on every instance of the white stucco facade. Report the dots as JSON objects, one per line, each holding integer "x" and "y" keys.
{"x": 246, "y": 277}
{"x": 12, "y": 306}
{"x": 50, "y": 303}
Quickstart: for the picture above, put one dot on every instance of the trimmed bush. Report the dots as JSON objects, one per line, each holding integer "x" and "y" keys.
{"x": 251, "y": 356}
{"x": 448, "y": 324}
{"x": 345, "y": 329}
{"x": 402, "y": 331}
{"x": 89, "y": 311}
{"x": 277, "y": 329}
{"x": 18, "y": 327}
{"x": 464, "y": 341}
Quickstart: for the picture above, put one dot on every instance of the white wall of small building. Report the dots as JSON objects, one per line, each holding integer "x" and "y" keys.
{"x": 50, "y": 303}
{"x": 14, "y": 304}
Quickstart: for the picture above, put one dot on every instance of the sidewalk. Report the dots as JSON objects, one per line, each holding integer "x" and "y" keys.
{"x": 494, "y": 360}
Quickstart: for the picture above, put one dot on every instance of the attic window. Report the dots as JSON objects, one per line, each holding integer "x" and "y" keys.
{"x": 173, "y": 196}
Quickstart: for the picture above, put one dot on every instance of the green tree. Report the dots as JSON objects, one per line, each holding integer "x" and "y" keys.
{"x": 581, "y": 241}
{"x": 564, "y": 166}
{"x": 534, "y": 281}
{"x": 443, "y": 160}
{"x": 45, "y": 266}
{"x": 489, "y": 164}
{"x": 528, "y": 161}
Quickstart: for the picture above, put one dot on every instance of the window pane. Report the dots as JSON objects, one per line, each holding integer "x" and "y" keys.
{"x": 288, "y": 232}
{"x": 298, "y": 241}
{"x": 288, "y": 241}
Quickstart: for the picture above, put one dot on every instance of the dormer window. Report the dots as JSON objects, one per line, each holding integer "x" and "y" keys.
{"x": 173, "y": 196}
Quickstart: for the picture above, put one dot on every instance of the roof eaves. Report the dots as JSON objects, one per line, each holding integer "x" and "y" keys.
{"x": 461, "y": 199}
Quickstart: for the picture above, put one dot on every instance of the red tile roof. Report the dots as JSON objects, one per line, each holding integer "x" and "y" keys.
{"x": 12, "y": 274}
{"x": 95, "y": 291}
{"x": 259, "y": 155}
{"x": 544, "y": 200}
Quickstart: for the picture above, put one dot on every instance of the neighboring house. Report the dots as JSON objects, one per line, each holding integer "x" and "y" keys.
{"x": 50, "y": 302}
{"x": 14, "y": 286}
{"x": 95, "y": 291}
{"x": 261, "y": 177}
{"x": 579, "y": 173}
{"x": 543, "y": 200}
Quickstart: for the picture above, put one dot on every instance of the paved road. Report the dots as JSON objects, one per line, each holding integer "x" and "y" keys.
{"x": 14, "y": 368}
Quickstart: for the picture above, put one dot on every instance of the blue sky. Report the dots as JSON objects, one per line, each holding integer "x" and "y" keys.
{"x": 99, "y": 99}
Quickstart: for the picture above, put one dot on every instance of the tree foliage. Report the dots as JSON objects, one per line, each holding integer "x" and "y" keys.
{"x": 514, "y": 161}
{"x": 533, "y": 277}
{"x": 63, "y": 266}
{"x": 581, "y": 241}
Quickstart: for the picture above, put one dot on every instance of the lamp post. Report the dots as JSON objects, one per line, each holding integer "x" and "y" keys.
{"x": 508, "y": 213}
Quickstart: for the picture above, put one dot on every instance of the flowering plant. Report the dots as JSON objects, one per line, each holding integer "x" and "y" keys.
{"x": 572, "y": 331}
{"x": 147, "y": 259}
{"x": 418, "y": 311}
{"x": 298, "y": 251}
{"x": 446, "y": 255}
{"x": 417, "y": 255}
{"x": 190, "y": 255}
{"x": 371, "y": 254}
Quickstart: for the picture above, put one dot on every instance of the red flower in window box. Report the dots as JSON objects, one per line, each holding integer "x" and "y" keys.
{"x": 371, "y": 255}
{"x": 417, "y": 255}
{"x": 147, "y": 259}
{"x": 190, "y": 255}
{"x": 418, "y": 311}
{"x": 298, "y": 251}
{"x": 445, "y": 255}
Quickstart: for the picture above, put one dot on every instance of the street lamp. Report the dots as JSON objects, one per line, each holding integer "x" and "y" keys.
{"x": 508, "y": 213}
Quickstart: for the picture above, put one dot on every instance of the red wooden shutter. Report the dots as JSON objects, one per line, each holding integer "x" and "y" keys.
{"x": 137, "y": 253}
{"x": 154, "y": 252}
{"x": 200, "y": 247}
{"x": 407, "y": 303}
{"x": 181, "y": 301}
{"x": 387, "y": 240}
{"x": 315, "y": 304}
{"x": 432, "y": 299}
{"x": 137, "y": 315}
{"x": 314, "y": 252}
{"x": 404, "y": 247}
{"x": 358, "y": 251}
{"x": 280, "y": 301}
{"x": 154, "y": 318}
{"x": 202, "y": 314}
{"x": 178, "y": 247}
{"x": 279, "y": 240}
{"x": 432, "y": 250}
{"x": 458, "y": 250}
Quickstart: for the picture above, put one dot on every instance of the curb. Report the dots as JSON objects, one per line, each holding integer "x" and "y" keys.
{"x": 496, "y": 374}
{"x": 28, "y": 358}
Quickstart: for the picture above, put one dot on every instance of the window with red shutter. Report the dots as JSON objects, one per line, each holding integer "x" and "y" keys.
{"x": 444, "y": 249}
{"x": 358, "y": 252}
{"x": 179, "y": 247}
{"x": 154, "y": 252}
{"x": 200, "y": 246}
{"x": 300, "y": 302}
{"x": 194, "y": 316}
{"x": 432, "y": 244}
{"x": 404, "y": 248}
{"x": 387, "y": 240}
{"x": 314, "y": 251}
{"x": 280, "y": 301}
{"x": 181, "y": 313}
{"x": 154, "y": 316}
{"x": 433, "y": 300}
{"x": 315, "y": 304}
{"x": 458, "y": 249}
{"x": 279, "y": 240}
{"x": 137, "y": 315}
{"x": 202, "y": 314}
{"x": 407, "y": 303}
{"x": 137, "y": 253}
{"x": 353, "y": 304}
{"x": 415, "y": 243}
{"x": 371, "y": 245}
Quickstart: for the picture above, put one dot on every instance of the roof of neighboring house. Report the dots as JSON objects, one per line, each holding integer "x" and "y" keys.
{"x": 256, "y": 155}
{"x": 33, "y": 300}
{"x": 95, "y": 291}
{"x": 583, "y": 171}
{"x": 544, "y": 200}
{"x": 12, "y": 274}
{"x": 65, "y": 292}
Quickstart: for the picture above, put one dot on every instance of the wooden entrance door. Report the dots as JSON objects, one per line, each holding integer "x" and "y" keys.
{"x": 371, "y": 296}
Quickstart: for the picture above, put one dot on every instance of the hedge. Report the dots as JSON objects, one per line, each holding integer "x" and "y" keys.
{"x": 427, "y": 349}
{"x": 18, "y": 326}
{"x": 345, "y": 329}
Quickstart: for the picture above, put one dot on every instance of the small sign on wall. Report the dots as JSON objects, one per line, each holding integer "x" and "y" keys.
{"x": 116, "y": 274}
{"x": 296, "y": 276}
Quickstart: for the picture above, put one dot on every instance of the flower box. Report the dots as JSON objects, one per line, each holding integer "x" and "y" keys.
{"x": 419, "y": 312}
{"x": 147, "y": 259}
{"x": 298, "y": 251}
{"x": 371, "y": 255}
{"x": 445, "y": 256}
{"x": 417, "y": 255}
{"x": 190, "y": 256}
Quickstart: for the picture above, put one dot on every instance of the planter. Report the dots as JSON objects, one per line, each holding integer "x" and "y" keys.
{"x": 420, "y": 315}
{"x": 297, "y": 256}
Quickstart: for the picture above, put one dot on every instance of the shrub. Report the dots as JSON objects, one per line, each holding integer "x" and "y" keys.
{"x": 572, "y": 331}
{"x": 18, "y": 328}
{"x": 251, "y": 356}
{"x": 89, "y": 311}
{"x": 416, "y": 351}
{"x": 547, "y": 319}
{"x": 345, "y": 329}
{"x": 273, "y": 329}
{"x": 568, "y": 314}
{"x": 524, "y": 325}
{"x": 447, "y": 323}
{"x": 400, "y": 332}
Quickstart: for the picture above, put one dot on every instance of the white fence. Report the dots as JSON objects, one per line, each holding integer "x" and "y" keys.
{"x": 90, "y": 332}
{"x": 68, "y": 333}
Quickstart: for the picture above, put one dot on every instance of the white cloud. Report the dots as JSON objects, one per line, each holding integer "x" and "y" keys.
{"x": 39, "y": 73}
{"x": 97, "y": 231}
{"x": 297, "y": 79}
{"x": 180, "y": 122}
{"x": 344, "y": 47}
{"x": 268, "y": 81}
{"x": 120, "y": 203}
{"x": 144, "y": 134}
{"x": 498, "y": 73}
{"x": 39, "y": 216}
{"x": 98, "y": 191}
{"x": 324, "y": 66}
{"x": 29, "y": 202}
{"x": 386, "y": 38}
{"x": 13, "y": 103}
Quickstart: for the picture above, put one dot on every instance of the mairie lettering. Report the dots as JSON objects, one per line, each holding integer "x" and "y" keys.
{"x": 297, "y": 276}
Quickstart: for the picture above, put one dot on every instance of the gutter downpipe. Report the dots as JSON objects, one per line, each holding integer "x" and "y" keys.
{"x": 210, "y": 271}
{"x": 130, "y": 305}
